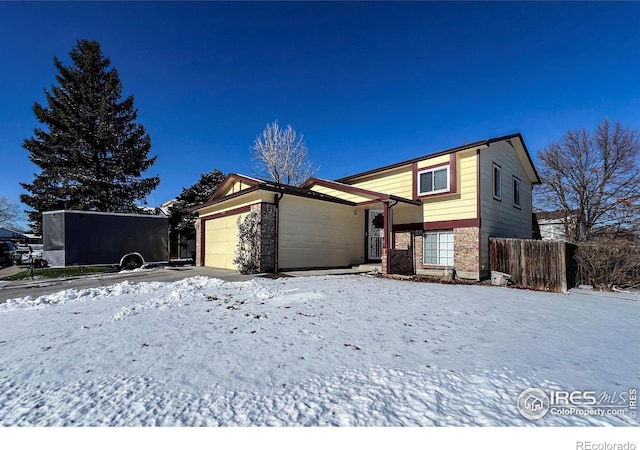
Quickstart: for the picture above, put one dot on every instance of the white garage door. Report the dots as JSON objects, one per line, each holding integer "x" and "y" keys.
{"x": 221, "y": 240}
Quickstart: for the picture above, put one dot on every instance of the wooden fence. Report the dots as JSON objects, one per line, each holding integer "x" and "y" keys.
{"x": 539, "y": 265}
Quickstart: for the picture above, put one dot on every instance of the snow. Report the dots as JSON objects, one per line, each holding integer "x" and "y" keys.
{"x": 309, "y": 351}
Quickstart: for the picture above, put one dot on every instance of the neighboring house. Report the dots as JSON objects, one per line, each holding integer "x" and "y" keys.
{"x": 552, "y": 225}
{"x": 440, "y": 209}
{"x": 7, "y": 234}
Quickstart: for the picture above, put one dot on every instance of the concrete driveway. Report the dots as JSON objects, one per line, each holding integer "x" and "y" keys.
{"x": 35, "y": 288}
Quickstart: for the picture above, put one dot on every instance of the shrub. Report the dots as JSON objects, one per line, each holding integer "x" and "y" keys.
{"x": 608, "y": 262}
{"x": 248, "y": 250}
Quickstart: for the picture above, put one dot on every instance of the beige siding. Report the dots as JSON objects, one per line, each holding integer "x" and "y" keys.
{"x": 313, "y": 233}
{"x": 221, "y": 239}
{"x": 404, "y": 213}
{"x": 340, "y": 194}
{"x": 433, "y": 161}
{"x": 239, "y": 202}
{"x": 462, "y": 204}
{"x": 501, "y": 218}
{"x": 394, "y": 182}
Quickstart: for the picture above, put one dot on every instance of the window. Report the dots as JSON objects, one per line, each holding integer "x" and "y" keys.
{"x": 497, "y": 182}
{"x": 433, "y": 181}
{"x": 516, "y": 192}
{"x": 438, "y": 248}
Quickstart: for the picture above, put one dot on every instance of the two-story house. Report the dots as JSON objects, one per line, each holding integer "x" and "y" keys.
{"x": 441, "y": 207}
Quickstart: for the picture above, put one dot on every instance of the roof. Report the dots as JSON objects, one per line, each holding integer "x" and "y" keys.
{"x": 554, "y": 215}
{"x": 373, "y": 195}
{"x": 263, "y": 185}
{"x": 478, "y": 144}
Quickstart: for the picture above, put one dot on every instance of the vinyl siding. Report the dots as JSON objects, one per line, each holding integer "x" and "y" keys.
{"x": 403, "y": 213}
{"x": 394, "y": 182}
{"x": 340, "y": 194}
{"x": 313, "y": 233}
{"x": 237, "y": 186}
{"x": 463, "y": 203}
{"x": 433, "y": 161}
{"x": 238, "y": 202}
{"x": 457, "y": 206}
{"x": 501, "y": 218}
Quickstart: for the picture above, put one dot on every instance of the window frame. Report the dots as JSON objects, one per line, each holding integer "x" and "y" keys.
{"x": 497, "y": 196}
{"x": 439, "y": 250}
{"x": 434, "y": 169}
{"x": 516, "y": 192}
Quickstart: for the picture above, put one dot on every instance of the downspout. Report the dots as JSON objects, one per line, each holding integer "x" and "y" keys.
{"x": 276, "y": 202}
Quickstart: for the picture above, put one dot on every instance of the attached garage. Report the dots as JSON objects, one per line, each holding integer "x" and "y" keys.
{"x": 221, "y": 239}
{"x": 298, "y": 228}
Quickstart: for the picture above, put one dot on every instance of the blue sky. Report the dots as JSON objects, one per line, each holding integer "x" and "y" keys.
{"x": 368, "y": 84}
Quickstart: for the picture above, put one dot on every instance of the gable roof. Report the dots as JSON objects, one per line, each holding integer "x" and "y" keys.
{"x": 256, "y": 184}
{"x": 515, "y": 140}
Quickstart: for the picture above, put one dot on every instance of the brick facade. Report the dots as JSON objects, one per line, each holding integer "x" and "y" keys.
{"x": 402, "y": 240}
{"x": 199, "y": 258}
{"x": 266, "y": 213}
{"x": 466, "y": 254}
{"x": 466, "y": 251}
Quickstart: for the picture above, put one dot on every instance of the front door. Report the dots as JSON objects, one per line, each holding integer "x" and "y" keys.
{"x": 374, "y": 234}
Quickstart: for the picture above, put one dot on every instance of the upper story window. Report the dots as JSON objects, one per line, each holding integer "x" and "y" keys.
{"x": 433, "y": 181}
{"x": 516, "y": 192}
{"x": 497, "y": 182}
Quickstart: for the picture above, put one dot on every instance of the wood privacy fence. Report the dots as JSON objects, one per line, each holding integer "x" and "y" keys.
{"x": 539, "y": 265}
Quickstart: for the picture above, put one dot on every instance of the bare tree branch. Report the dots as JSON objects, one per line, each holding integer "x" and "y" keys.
{"x": 282, "y": 156}
{"x": 594, "y": 179}
{"x": 9, "y": 213}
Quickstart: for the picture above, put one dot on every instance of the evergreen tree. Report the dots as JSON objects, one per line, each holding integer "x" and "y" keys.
{"x": 94, "y": 153}
{"x": 182, "y": 219}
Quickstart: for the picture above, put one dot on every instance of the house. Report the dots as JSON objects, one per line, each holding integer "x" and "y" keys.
{"x": 552, "y": 224}
{"x": 7, "y": 234}
{"x": 427, "y": 215}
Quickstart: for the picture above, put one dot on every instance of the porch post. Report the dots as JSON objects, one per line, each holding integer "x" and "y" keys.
{"x": 386, "y": 238}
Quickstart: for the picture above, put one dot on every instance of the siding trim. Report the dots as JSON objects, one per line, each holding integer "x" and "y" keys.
{"x": 439, "y": 225}
{"x": 453, "y": 177}
{"x": 230, "y": 212}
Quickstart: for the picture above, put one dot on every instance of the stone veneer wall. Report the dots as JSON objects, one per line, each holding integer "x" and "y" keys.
{"x": 466, "y": 252}
{"x": 266, "y": 213}
{"x": 198, "y": 225}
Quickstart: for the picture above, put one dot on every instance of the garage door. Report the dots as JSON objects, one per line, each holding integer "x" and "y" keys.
{"x": 221, "y": 240}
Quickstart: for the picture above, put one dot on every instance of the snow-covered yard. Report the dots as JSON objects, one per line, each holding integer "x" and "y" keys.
{"x": 353, "y": 350}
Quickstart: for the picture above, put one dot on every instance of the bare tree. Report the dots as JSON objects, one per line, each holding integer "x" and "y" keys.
{"x": 282, "y": 156}
{"x": 594, "y": 179}
{"x": 9, "y": 213}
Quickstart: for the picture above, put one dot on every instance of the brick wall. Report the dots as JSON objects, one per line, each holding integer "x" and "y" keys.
{"x": 402, "y": 240}
{"x": 385, "y": 269}
{"x": 466, "y": 249}
{"x": 267, "y": 235}
{"x": 198, "y": 225}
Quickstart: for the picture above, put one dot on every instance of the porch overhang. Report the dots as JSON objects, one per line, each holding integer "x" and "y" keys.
{"x": 360, "y": 196}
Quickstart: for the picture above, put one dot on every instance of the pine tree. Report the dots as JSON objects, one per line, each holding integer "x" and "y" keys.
{"x": 94, "y": 153}
{"x": 182, "y": 219}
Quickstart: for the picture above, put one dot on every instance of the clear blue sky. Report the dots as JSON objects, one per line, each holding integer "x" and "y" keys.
{"x": 368, "y": 84}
